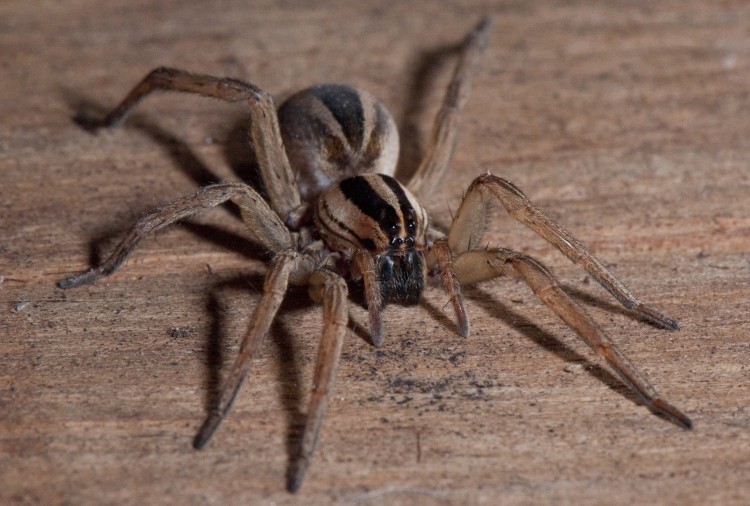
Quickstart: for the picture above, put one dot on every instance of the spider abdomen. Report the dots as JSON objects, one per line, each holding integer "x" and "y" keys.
{"x": 333, "y": 131}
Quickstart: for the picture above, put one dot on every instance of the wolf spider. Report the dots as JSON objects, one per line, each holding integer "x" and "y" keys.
{"x": 334, "y": 212}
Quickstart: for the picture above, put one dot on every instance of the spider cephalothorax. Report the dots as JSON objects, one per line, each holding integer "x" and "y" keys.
{"x": 376, "y": 214}
{"x": 330, "y": 153}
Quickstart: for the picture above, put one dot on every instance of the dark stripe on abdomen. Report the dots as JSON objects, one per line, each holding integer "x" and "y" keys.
{"x": 344, "y": 104}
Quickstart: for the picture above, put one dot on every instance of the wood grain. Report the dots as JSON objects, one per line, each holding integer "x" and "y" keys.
{"x": 627, "y": 121}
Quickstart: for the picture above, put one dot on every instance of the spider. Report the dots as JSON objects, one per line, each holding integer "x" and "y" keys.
{"x": 333, "y": 213}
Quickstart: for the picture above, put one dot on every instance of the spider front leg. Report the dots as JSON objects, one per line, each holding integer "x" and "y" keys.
{"x": 330, "y": 289}
{"x": 469, "y": 222}
{"x": 278, "y": 179}
{"x": 274, "y": 288}
{"x": 480, "y": 265}
{"x": 441, "y": 255}
{"x": 264, "y": 225}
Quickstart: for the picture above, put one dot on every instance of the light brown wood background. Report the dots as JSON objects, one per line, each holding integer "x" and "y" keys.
{"x": 627, "y": 121}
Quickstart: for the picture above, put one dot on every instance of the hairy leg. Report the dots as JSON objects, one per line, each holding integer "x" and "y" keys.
{"x": 441, "y": 255}
{"x": 276, "y": 173}
{"x": 444, "y": 133}
{"x": 469, "y": 222}
{"x": 479, "y": 265}
{"x": 264, "y": 225}
{"x": 274, "y": 288}
{"x": 330, "y": 289}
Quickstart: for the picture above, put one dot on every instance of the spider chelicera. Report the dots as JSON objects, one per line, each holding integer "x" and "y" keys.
{"x": 333, "y": 212}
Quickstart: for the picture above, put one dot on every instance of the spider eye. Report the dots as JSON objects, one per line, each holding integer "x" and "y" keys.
{"x": 393, "y": 229}
{"x": 411, "y": 226}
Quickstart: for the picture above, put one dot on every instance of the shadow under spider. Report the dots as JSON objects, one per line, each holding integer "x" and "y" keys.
{"x": 238, "y": 152}
{"x": 427, "y": 65}
{"x": 237, "y": 144}
{"x": 288, "y": 360}
{"x": 87, "y": 115}
{"x": 539, "y": 336}
{"x": 610, "y": 307}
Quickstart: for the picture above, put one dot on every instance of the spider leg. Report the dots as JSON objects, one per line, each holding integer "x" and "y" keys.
{"x": 365, "y": 266}
{"x": 443, "y": 256}
{"x": 264, "y": 225}
{"x": 474, "y": 266}
{"x": 470, "y": 219}
{"x": 274, "y": 288}
{"x": 442, "y": 141}
{"x": 329, "y": 288}
{"x": 276, "y": 173}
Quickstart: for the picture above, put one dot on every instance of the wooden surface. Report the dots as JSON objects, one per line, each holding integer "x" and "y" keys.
{"x": 627, "y": 121}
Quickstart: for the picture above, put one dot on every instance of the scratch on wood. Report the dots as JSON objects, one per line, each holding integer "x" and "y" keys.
{"x": 419, "y": 447}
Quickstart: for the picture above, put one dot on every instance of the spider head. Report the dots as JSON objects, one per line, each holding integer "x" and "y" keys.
{"x": 374, "y": 212}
